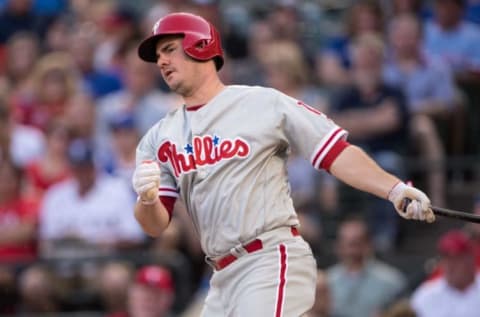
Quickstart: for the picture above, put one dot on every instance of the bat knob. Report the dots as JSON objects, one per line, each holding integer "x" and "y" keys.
{"x": 150, "y": 194}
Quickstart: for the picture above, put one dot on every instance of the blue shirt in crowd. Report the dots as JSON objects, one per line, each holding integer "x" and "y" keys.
{"x": 431, "y": 80}
{"x": 459, "y": 47}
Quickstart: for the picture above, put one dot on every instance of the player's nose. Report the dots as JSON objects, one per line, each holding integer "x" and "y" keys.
{"x": 162, "y": 60}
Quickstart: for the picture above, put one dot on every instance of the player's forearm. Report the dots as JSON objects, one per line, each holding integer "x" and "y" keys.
{"x": 355, "y": 168}
{"x": 153, "y": 218}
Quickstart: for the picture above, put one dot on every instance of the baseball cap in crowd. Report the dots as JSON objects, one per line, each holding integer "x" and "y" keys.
{"x": 455, "y": 242}
{"x": 80, "y": 152}
{"x": 156, "y": 277}
{"x": 122, "y": 122}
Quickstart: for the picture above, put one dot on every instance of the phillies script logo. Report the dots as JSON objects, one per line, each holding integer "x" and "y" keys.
{"x": 204, "y": 150}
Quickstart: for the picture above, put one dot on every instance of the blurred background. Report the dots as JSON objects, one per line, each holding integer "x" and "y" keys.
{"x": 402, "y": 76}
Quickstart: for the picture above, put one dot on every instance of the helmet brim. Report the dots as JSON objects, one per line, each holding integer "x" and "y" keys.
{"x": 147, "y": 50}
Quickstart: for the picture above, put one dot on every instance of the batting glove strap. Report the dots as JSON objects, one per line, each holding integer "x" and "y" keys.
{"x": 411, "y": 203}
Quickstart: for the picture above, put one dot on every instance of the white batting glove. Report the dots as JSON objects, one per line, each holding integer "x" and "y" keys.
{"x": 418, "y": 207}
{"x": 146, "y": 180}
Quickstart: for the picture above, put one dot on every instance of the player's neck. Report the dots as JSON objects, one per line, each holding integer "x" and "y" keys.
{"x": 205, "y": 92}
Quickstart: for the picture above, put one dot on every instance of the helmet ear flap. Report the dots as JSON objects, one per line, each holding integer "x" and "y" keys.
{"x": 201, "y": 44}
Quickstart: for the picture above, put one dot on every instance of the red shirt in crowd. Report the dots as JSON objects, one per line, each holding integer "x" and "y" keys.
{"x": 13, "y": 214}
{"x": 39, "y": 180}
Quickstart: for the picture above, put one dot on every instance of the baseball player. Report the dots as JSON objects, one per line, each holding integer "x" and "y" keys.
{"x": 224, "y": 154}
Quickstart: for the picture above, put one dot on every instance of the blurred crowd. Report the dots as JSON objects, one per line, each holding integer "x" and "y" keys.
{"x": 401, "y": 76}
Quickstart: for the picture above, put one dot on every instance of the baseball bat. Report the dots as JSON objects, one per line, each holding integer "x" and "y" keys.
{"x": 456, "y": 214}
{"x": 450, "y": 213}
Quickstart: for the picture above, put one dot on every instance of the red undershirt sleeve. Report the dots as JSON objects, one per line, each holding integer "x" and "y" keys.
{"x": 168, "y": 202}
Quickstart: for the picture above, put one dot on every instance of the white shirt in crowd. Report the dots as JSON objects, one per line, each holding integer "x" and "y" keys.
{"x": 27, "y": 144}
{"x": 103, "y": 216}
{"x": 437, "y": 299}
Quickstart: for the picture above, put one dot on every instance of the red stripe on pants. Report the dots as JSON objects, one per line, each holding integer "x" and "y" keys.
{"x": 283, "y": 280}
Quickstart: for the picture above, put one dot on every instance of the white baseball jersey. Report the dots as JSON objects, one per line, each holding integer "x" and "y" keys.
{"x": 227, "y": 161}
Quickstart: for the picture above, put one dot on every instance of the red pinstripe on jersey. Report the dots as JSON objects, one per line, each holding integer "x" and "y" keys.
{"x": 282, "y": 249}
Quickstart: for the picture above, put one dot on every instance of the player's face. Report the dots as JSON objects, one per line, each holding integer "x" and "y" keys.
{"x": 177, "y": 69}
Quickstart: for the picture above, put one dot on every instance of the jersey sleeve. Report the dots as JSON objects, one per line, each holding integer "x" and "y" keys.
{"x": 316, "y": 137}
{"x": 147, "y": 151}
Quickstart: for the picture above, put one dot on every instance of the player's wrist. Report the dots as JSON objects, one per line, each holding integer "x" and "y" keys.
{"x": 396, "y": 191}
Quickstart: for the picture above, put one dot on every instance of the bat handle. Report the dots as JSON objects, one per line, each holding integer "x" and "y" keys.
{"x": 406, "y": 201}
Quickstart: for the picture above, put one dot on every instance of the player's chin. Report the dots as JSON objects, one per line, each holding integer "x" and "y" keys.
{"x": 172, "y": 83}
{"x": 179, "y": 88}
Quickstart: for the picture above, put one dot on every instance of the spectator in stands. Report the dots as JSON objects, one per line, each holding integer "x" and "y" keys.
{"x": 18, "y": 217}
{"x": 416, "y": 8}
{"x": 118, "y": 27}
{"x": 376, "y": 117}
{"x": 18, "y": 221}
{"x": 124, "y": 140}
{"x": 429, "y": 85}
{"x": 18, "y": 16}
{"x": 80, "y": 116}
{"x": 52, "y": 167}
{"x": 96, "y": 217}
{"x": 54, "y": 81}
{"x": 152, "y": 292}
{"x": 452, "y": 38}
{"x": 365, "y": 16}
{"x": 139, "y": 97}
{"x": 430, "y": 91}
{"x": 39, "y": 291}
{"x": 98, "y": 82}
{"x": 456, "y": 293}
{"x": 473, "y": 231}
{"x": 249, "y": 70}
{"x": 85, "y": 217}
{"x": 81, "y": 119}
{"x": 21, "y": 53}
{"x": 20, "y": 143}
{"x": 58, "y": 34}
{"x": 287, "y": 71}
{"x": 322, "y": 307}
{"x": 114, "y": 281}
{"x": 361, "y": 285}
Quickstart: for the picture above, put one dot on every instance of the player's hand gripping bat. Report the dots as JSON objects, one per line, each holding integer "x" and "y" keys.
{"x": 146, "y": 180}
{"x": 450, "y": 213}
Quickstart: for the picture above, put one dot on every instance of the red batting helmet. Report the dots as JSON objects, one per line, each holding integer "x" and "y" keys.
{"x": 201, "y": 40}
